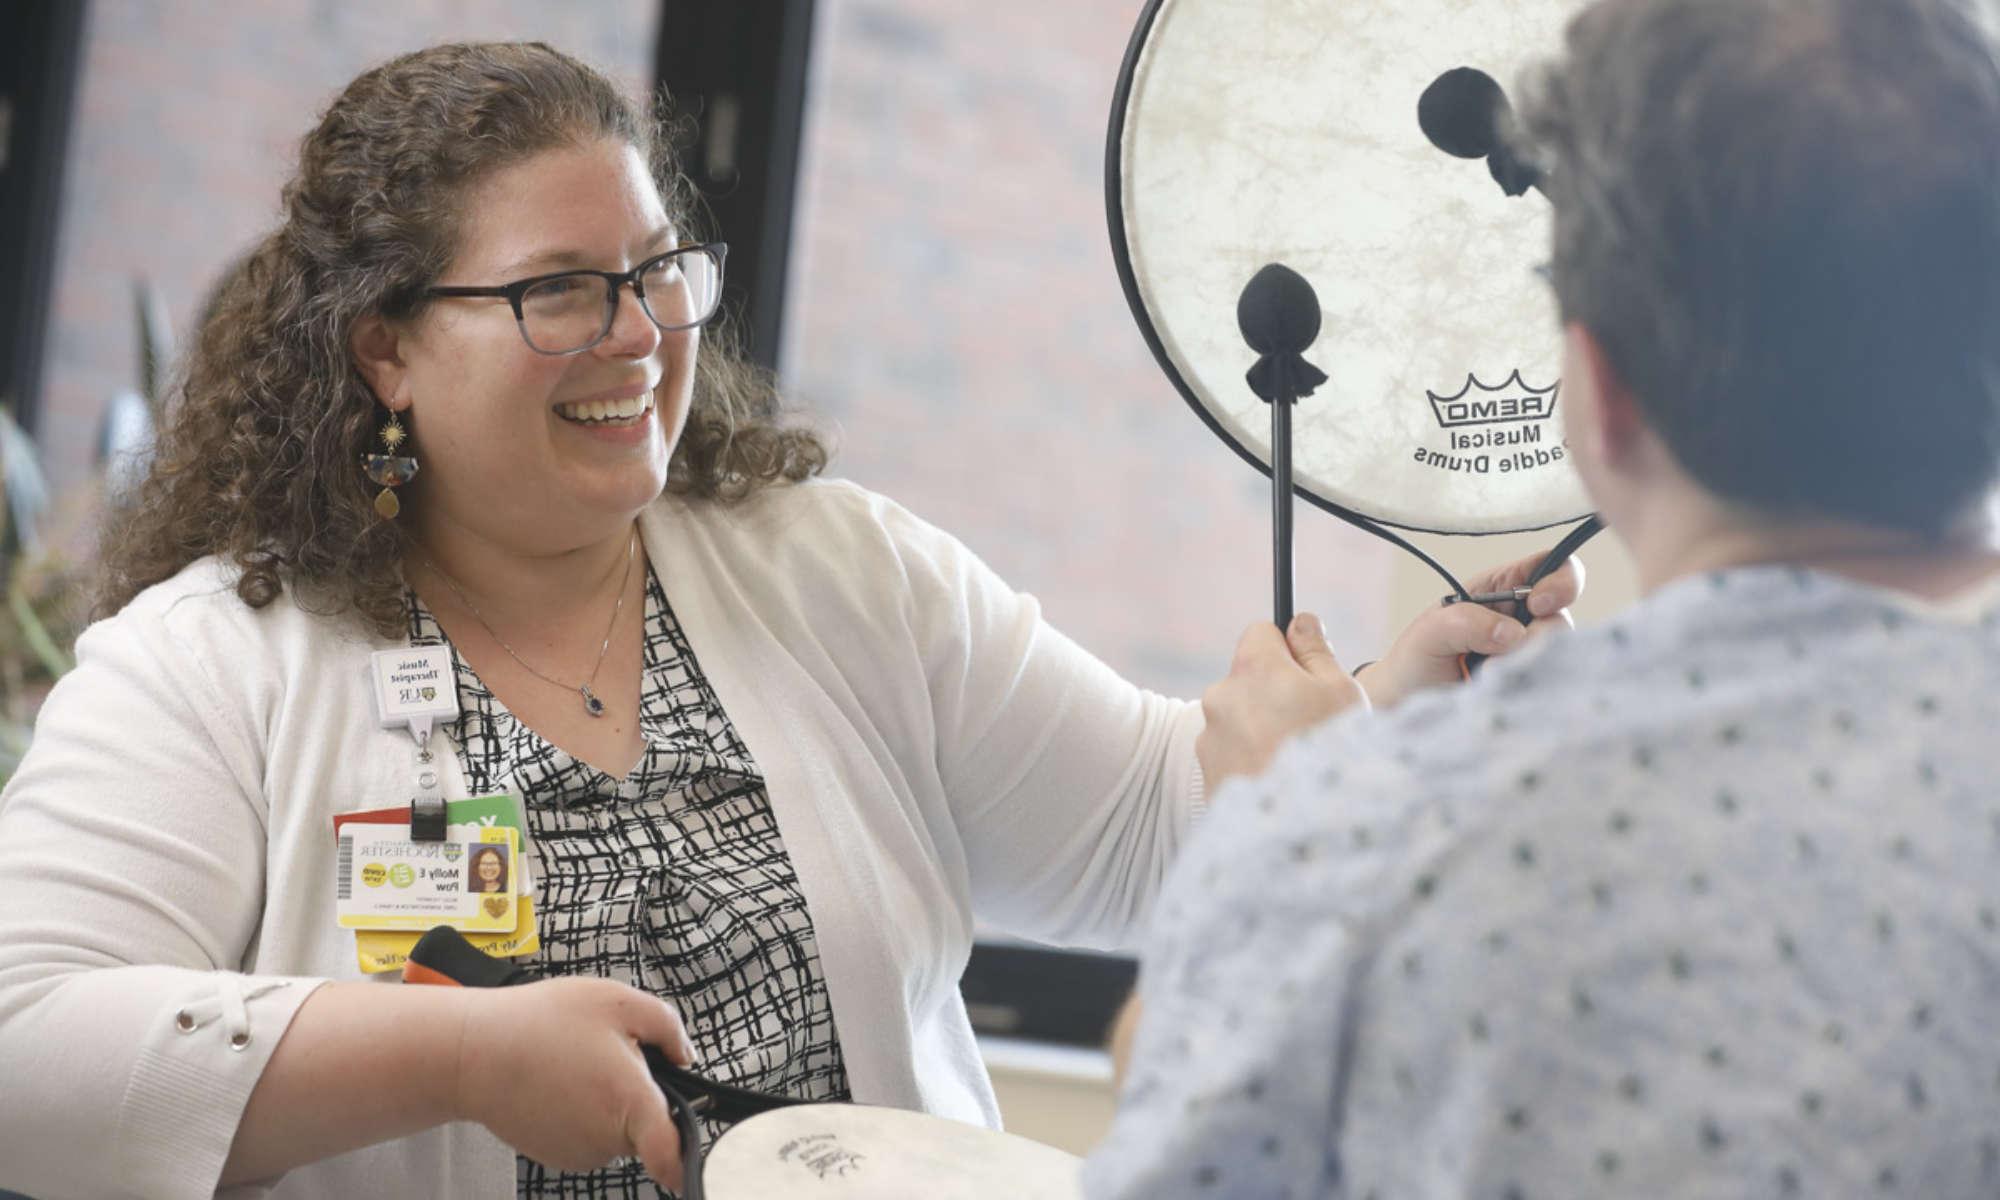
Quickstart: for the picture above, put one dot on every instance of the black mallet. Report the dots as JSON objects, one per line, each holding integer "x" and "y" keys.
{"x": 1465, "y": 113}
{"x": 1278, "y": 313}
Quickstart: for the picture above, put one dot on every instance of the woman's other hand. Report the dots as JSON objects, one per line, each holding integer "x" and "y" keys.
{"x": 1427, "y": 652}
{"x": 554, "y": 1070}
{"x": 1278, "y": 685}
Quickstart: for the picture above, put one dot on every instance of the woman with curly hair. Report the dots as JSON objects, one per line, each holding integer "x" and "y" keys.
{"x": 486, "y": 871}
{"x": 775, "y": 740}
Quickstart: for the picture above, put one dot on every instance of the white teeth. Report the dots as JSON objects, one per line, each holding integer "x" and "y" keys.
{"x": 624, "y": 409}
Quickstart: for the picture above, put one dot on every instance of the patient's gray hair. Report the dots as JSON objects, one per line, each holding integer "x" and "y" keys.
{"x": 1781, "y": 218}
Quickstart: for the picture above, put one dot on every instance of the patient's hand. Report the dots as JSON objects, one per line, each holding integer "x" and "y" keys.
{"x": 1428, "y": 651}
{"x": 1278, "y": 685}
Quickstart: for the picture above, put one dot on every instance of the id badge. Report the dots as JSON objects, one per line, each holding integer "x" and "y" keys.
{"x": 386, "y": 880}
{"x": 379, "y": 950}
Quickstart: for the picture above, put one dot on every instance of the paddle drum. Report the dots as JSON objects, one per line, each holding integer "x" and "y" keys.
{"x": 861, "y": 1152}
{"x": 1245, "y": 132}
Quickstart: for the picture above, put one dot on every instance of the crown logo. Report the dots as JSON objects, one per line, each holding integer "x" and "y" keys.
{"x": 1510, "y": 401}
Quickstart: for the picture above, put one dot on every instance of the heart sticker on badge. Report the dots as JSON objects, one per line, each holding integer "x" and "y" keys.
{"x": 430, "y": 693}
{"x": 496, "y": 906}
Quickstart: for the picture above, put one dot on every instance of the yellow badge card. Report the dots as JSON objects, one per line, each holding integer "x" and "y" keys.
{"x": 380, "y": 950}
{"x": 386, "y": 881}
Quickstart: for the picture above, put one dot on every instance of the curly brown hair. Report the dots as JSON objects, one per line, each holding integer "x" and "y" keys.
{"x": 257, "y": 462}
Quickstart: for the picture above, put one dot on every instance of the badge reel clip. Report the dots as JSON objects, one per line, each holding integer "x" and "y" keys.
{"x": 415, "y": 688}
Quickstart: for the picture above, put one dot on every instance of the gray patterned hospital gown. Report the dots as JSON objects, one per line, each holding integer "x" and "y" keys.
{"x": 1702, "y": 903}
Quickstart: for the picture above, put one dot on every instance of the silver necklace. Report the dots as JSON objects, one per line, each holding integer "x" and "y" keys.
{"x": 591, "y": 704}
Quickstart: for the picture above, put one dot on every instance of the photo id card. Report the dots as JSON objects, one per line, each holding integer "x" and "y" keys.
{"x": 383, "y": 950}
{"x": 384, "y": 880}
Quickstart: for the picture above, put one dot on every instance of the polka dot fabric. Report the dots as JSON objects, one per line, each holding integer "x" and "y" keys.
{"x": 1704, "y": 903}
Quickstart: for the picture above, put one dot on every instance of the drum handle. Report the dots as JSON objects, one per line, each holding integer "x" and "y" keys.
{"x": 1589, "y": 528}
{"x": 687, "y": 1119}
{"x": 444, "y": 956}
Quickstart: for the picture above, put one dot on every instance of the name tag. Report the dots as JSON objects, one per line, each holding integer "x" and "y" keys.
{"x": 385, "y": 880}
{"x": 380, "y": 950}
{"x": 415, "y": 687}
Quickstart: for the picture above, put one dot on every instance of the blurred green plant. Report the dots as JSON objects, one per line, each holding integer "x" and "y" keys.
{"x": 34, "y": 635}
{"x": 45, "y": 541}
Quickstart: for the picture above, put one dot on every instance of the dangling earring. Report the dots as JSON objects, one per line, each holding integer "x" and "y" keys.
{"x": 391, "y": 470}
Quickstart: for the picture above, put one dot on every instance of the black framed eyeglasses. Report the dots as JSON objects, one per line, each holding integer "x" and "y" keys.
{"x": 568, "y": 312}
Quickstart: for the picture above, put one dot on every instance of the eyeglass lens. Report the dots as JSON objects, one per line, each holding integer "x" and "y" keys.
{"x": 571, "y": 312}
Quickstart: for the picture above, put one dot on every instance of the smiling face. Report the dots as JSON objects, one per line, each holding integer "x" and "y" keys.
{"x": 537, "y": 452}
{"x": 488, "y": 868}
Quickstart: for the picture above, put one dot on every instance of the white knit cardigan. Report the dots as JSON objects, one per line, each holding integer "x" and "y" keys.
{"x": 933, "y": 751}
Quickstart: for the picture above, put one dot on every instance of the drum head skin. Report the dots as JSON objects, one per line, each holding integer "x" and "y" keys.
{"x": 861, "y": 1152}
{"x": 1245, "y": 132}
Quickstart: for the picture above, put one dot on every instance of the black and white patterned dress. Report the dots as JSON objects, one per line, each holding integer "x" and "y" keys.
{"x": 673, "y": 879}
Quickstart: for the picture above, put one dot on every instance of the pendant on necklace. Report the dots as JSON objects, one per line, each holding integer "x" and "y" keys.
{"x": 591, "y": 704}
